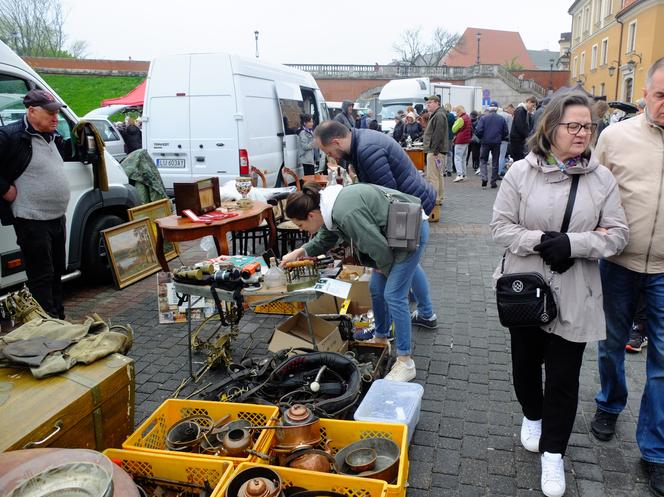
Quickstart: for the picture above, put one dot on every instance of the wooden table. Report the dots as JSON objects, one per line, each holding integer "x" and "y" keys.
{"x": 182, "y": 229}
{"x": 417, "y": 156}
{"x": 321, "y": 179}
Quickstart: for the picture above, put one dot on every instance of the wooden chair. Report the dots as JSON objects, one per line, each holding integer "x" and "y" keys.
{"x": 287, "y": 231}
{"x": 262, "y": 232}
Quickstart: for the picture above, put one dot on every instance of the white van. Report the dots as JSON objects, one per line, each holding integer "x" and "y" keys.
{"x": 90, "y": 210}
{"x": 398, "y": 94}
{"x": 218, "y": 114}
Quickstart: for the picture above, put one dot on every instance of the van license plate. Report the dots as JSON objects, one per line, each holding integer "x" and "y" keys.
{"x": 170, "y": 163}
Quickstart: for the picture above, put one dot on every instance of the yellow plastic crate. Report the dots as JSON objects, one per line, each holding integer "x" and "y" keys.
{"x": 178, "y": 468}
{"x": 342, "y": 433}
{"x": 285, "y": 308}
{"x": 151, "y": 435}
{"x": 351, "y": 486}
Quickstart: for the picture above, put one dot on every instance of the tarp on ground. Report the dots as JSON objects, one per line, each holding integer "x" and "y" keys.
{"x": 135, "y": 97}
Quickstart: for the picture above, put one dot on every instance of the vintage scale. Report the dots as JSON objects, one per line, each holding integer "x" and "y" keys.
{"x": 301, "y": 274}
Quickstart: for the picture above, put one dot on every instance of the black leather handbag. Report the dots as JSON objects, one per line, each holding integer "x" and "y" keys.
{"x": 526, "y": 299}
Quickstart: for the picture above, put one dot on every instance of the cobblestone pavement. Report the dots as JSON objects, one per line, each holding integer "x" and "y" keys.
{"x": 466, "y": 443}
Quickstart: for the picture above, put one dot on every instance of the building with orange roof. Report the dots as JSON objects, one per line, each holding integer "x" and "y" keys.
{"x": 490, "y": 46}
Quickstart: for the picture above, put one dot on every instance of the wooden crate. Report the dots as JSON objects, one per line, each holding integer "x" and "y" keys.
{"x": 89, "y": 407}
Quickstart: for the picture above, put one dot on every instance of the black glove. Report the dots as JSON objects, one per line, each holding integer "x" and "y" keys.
{"x": 560, "y": 268}
{"x": 554, "y": 248}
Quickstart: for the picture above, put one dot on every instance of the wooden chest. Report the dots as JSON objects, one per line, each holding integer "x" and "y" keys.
{"x": 87, "y": 407}
{"x": 417, "y": 156}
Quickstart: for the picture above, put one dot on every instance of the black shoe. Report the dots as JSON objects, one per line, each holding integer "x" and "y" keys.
{"x": 484, "y": 184}
{"x": 656, "y": 478}
{"x": 448, "y": 174}
{"x": 637, "y": 340}
{"x": 603, "y": 425}
{"x": 493, "y": 185}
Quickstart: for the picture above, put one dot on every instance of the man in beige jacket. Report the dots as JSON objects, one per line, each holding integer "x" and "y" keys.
{"x": 634, "y": 152}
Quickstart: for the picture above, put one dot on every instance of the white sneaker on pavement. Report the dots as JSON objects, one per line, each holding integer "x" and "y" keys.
{"x": 401, "y": 371}
{"x": 553, "y": 475}
{"x": 457, "y": 179}
{"x": 530, "y": 434}
{"x": 477, "y": 171}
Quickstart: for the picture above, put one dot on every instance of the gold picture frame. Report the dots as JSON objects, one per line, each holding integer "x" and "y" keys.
{"x": 131, "y": 251}
{"x": 155, "y": 210}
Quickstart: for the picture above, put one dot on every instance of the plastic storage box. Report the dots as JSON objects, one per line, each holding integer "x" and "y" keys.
{"x": 392, "y": 402}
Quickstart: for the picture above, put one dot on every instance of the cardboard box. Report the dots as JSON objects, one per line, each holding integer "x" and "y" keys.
{"x": 360, "y": 295}
{"x": 294, "y": 333}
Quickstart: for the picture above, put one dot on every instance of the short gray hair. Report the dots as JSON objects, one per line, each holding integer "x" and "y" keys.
{"x": 657, "y": 66}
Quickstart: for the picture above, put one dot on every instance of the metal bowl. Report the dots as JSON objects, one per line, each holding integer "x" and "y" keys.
{"x": 360, "y": 460}
{"x": 387, "y": 459}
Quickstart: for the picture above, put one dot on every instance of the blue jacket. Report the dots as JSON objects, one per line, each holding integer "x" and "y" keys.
{"x": 492, "y": 129}
{"x": 378, "y": 159}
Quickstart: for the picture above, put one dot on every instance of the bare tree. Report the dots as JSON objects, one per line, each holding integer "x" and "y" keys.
{"x": 410, "y": 46}
{"x": 413, "y": 50}
{"x": 35, "y": 28}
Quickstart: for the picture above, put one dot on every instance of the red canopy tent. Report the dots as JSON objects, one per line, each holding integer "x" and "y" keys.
{"x": 134, "y": 98}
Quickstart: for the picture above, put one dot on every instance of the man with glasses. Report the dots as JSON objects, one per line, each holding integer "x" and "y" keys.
{"x": 35, "y": 195}
{"x": 435, "y": 145}
{"x": 634, "y": 152}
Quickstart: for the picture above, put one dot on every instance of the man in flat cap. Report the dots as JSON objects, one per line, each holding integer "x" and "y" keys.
{"x": 436, "y": 144}
{"x": 35, "y": 194}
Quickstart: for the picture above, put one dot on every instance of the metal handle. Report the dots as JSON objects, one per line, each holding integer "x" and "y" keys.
{"x": 56, "y": 429}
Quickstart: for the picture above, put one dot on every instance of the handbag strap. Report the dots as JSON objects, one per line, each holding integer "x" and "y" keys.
{"x": 570, "y": 203}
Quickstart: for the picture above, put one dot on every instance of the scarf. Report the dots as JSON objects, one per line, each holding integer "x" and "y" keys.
{"x": 562, "y": 165}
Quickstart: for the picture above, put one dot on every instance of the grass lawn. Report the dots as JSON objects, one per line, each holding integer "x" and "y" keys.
{"x": 84, "y": 93}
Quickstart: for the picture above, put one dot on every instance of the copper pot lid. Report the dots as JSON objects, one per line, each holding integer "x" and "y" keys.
{"x": 297, "y": 413}
{"x": 258, "y": 487}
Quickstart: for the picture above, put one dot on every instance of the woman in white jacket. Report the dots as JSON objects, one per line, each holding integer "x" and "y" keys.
{"x": 527, "y": 219}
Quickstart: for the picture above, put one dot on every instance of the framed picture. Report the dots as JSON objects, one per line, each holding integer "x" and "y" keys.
{"x": 131, "y": 251}
{"x": 155, "y": 210}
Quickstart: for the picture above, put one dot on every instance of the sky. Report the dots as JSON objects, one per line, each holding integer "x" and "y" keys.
{"x": 303, "y": 32}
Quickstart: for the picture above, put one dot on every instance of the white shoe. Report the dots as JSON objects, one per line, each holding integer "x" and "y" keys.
{"x": 401, "y": 371}
{"x": 477, "y": 171}
{"x": 553, "y": 475}
{"x": 457, "y": 179}
{"x": 530, "y": 434}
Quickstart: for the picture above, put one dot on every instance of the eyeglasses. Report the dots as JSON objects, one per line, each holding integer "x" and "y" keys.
{"x": 575, "y": 128}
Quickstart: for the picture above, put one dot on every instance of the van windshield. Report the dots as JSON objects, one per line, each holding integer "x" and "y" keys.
{"x": 389, "y": 111}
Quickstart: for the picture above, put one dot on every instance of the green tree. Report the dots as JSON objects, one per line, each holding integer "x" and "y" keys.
{"x": 35, "y": 28}
{"x": 513, "y": 65}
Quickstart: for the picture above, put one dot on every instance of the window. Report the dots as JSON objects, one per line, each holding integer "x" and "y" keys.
{"x": 578, "y": 27}
{"x": 629, "y": 88}
{"x": 586, "y": 20}
{"x": 592, "y": 90}
{"x": 574, "y": 67}
{"x": 605, "y": 52}
{"x": 597, "y": 6}
{"x": 631, "y": 37}
{"x": 593, "y": 58}
{"x": 582, "y": 63}
{"x": 602, "y": 89}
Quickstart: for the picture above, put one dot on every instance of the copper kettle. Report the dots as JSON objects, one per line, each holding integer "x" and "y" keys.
{"x": 236, "y": 442}
{"x": 258, "y": 487}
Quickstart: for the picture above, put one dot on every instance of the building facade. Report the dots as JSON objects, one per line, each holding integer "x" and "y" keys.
{"x": 613, "y": 43}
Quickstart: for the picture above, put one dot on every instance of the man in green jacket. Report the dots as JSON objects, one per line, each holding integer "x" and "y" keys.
{"x": 436, "y": 143}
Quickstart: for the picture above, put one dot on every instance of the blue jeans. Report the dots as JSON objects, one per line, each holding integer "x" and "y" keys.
{"x": 502, "y": 159}
{"x": 621, "y": 288}
{"x": 389, "y": 295}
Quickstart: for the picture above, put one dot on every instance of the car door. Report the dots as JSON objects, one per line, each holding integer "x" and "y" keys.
{"x": 290, "y": 105}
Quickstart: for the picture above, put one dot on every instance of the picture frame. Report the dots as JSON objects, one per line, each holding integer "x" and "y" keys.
{"x": 155, "y": 210}
{"x": 131, "y": 251}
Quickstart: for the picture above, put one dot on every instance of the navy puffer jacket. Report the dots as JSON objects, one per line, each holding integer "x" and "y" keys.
{"x": 379, "y": 160}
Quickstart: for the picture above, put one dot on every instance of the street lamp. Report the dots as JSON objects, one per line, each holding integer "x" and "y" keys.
{"x": 551, "y": 62}
{"x": 256, "y": 36}
{"x": 479, "y": 35}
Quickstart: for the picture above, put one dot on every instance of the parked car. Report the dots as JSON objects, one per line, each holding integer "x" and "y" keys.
{"x": 100, "y": 117}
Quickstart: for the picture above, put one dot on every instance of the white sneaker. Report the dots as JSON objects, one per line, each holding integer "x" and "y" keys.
{"x": 401, "y": 371}
{"x": 553, "y": 475}
{"x": 530, "y": 434}
{"x": 457, "y": 179}
{"x": 477, "y": 171}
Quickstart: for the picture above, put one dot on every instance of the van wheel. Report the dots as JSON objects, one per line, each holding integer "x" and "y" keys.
{"x": 96, "y": 266}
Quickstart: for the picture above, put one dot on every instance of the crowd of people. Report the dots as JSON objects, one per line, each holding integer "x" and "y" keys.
{"x": 581, "y": 188}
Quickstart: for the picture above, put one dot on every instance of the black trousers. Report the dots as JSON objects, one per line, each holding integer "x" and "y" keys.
{"x": 474, "y": 150}
{"x": 43, "y": 246}
{"x": 556, "y": 404}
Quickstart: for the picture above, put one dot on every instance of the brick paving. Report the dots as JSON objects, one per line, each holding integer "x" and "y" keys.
{"x": 466, "y": 443}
